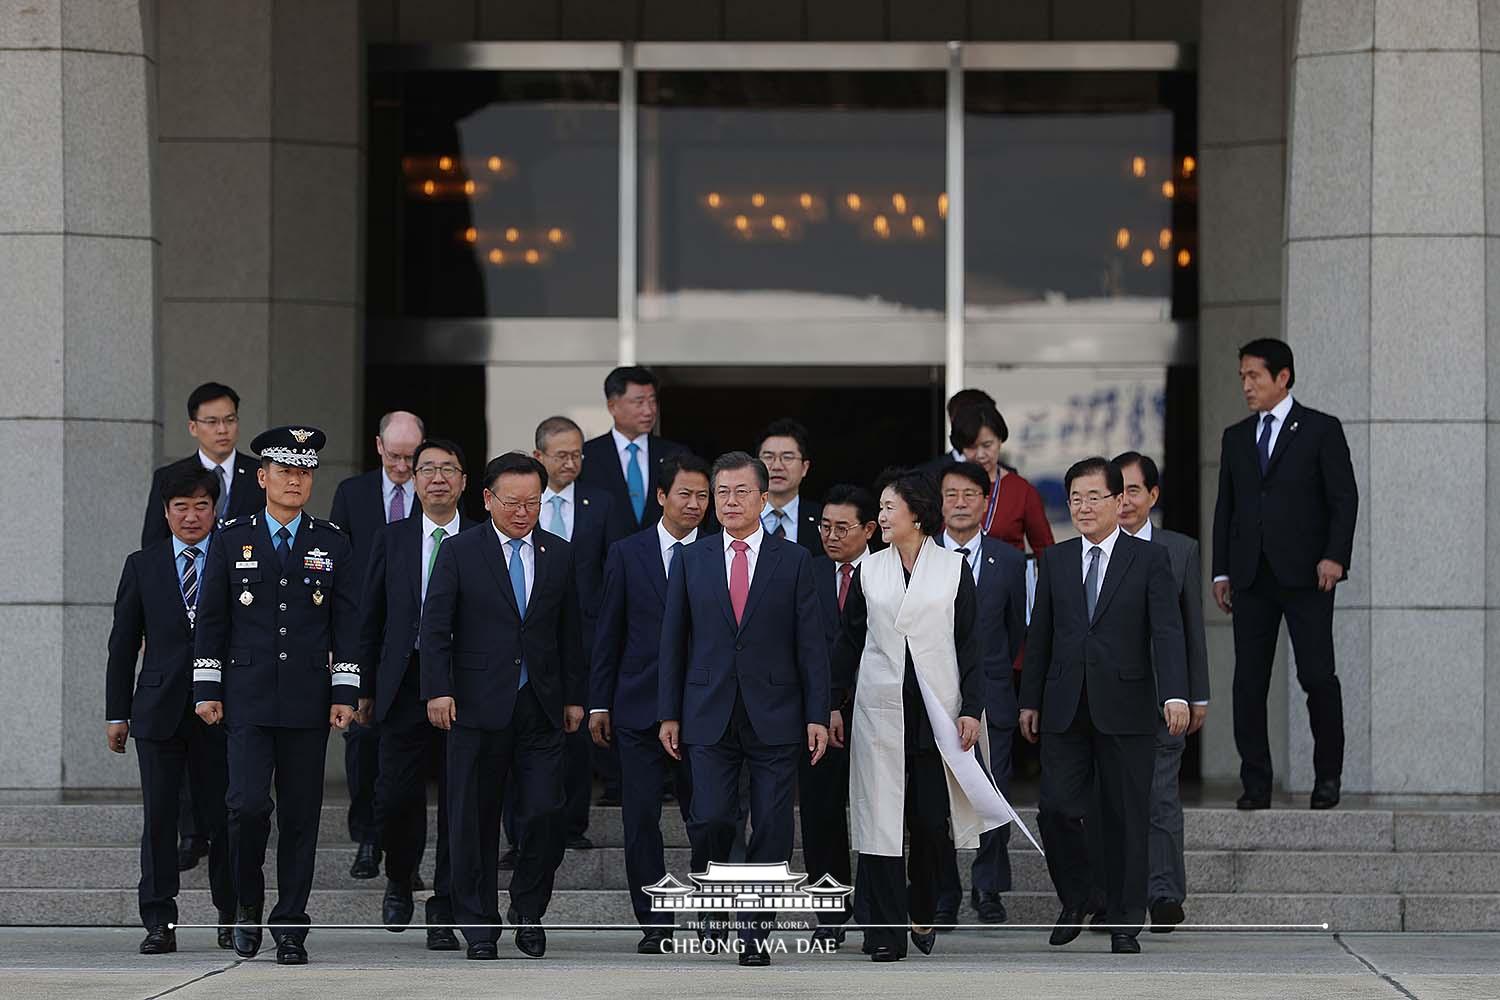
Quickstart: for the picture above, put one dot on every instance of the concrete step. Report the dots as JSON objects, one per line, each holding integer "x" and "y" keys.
{"x": 1205, "y": 828}
{"x": 1375, "y": 912}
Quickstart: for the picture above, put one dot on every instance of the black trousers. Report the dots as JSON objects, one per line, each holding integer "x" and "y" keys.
{"x": 188, "y": 821}
{"x": 714, "y": 816}
{"x": 1258, "y": 610}
{"x": 578, "y": 789}
{"x": 411, "y": 748}
{"x": 823, "y": 797}
{"x": 481, "y": 764}
{"x": 292, "y": 759}
{"x": 1123, "y": 765}
{"x": 991, "y": 869}
{"x": 891, "y": 895}
{"x": 646, "y": 772}
{"x": 361, "y": 768}
{"x": 193, "y": 756}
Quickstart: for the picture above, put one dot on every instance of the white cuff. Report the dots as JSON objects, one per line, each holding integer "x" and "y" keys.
{"x": 1221, "y": 579}
{"x": 1203, "y": 703}
{"x": 116, "y": 722}
{"x": 1179, "y": 701}
{"x": 594, "y": 711}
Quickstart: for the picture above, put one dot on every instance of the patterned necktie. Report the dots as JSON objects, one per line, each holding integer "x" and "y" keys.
{"x": 1263, "y": 443}
{"x": 1091, "y": 580}
{"x": 223, "y": 505}
{"x": 778, "y": 516}
{"x": 676, "y": 548}
{"x": 283, "y": 546}
{"x": 635, "y": 482}
{"x": 739, "y": 579}
{"x": 398, "y": 506}
{"x": 556, "y": 524}
{"x": 846, "y": 573}
{"x": 518, "y": 586}
{"x": 190, "y": 582}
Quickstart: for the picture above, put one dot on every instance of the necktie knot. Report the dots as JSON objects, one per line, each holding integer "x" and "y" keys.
{"x": 516, "y": 544}
{"x": 191, "y": 553}
{"x": 437, "y": 534}
{"x": 283, "y": 536}
{"x": 633, "y": 448}
{"x": 846, "y": 570}
{"x": 739, "y": 546}
{"x": 963, "y": 551}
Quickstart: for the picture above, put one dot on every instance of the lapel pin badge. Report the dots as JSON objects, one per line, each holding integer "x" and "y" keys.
{"x": 1294, "y": 425}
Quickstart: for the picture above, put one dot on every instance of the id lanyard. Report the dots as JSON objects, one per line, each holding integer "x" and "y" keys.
{"x": 989, "y": 514}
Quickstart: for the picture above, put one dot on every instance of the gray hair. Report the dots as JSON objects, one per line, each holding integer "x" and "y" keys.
{"x": 732, "y": 460}
{"x": 551, "y": 426}
{"x": 395, "y": 415}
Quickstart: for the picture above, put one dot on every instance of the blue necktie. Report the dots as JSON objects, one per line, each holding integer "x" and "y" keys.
{"x": 1263, "y": 443}
{"x": 557, "y": 525}
{"x": 518, "y": 585}
{"x": 283, "y": 546}
{"x": 676, "y": 548}
{"x": 635, "y": 482}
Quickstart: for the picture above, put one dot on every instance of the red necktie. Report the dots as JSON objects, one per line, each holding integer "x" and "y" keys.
{"x": 846, "y": 573}
{"x": 739, "y": 579}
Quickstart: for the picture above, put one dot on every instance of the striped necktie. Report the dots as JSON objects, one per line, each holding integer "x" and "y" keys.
{"x": 190, "y": 582}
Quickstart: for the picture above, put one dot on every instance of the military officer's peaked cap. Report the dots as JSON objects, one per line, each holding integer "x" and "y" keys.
{"x": 291, "y": 445}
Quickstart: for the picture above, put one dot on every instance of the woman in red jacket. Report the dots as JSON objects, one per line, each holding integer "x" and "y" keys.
{"x": 1015, "y": 513}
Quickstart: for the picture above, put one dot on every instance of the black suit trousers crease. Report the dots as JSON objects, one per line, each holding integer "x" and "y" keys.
{"x": 411, "y": 749}
{"x": 481, "y": 765}
{"x": 646, "y": 773}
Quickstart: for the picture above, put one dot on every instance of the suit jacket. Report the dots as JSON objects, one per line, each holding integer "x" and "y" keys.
{"x": 148, "y": 605}
{"x": 269, "y": 660}
{"x": 1187, "y": 570}
{"x": 1001, "y": 623}
{"x": 359, "y": 508}
{"x": 776, "y": 660}
{"x": 601, "y": 470}
{"x": 392, "y": 608}
{"x": 808, "y": 536}
{"x": 1136, "y": 630}
{"x": 1300, "y": 512}
{"x": 245, "y": 497}
{"x": 627, "y": 644}
{"x": 473, "y": 637}
{"x": 597, "y": 524}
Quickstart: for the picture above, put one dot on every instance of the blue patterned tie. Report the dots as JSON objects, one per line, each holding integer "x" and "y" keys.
{"x": 635, "y": 482}
{"x": 518, "y": 585}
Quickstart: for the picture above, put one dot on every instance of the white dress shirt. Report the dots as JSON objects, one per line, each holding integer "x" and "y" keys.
{"x": 528, "y": 556}
{"x": 567, "y": 509}
{"x": 666, "y": 541}
{"x": 643, "y": 458}
{"x": 973, "y": 545}
{"x": 226, "y": 481}
{"x": 1278, "y": 414}
{"x": 751, "y": 555}
{"x": 388, "y": 489}
{"x": 1107, "y": 547}
{"x": 428, "y": 527}
{"x": 1146, "y": 533}
{"x": 769, "y": 520}
{"x": 838, "y": 566}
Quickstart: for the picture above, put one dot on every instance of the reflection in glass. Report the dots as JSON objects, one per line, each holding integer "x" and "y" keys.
{"x": 1081, "y": 191}
{"x": 500, "y": 190}
{"x": 805, "y": 195}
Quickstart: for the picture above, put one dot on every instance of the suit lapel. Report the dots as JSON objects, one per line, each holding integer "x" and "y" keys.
{"x": 171, "y": 584}
{"x": 410, "y": 539}
{"x": 1284, "y": 437}
{"x": 1114, "y": 572}
{"x": 544, "y": 558}
{"x": 494, "y": 555}
{"x": 715, "y": 555}
{"x": 765, "y": 565}
{"x": 650, "y": 557}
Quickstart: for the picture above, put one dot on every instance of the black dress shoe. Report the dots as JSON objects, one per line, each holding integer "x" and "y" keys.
{"x": 508, "y": 860}
{"x": 187, "y": 859}
{"x": 397, "y": 906}
{"x": 225, "y": 933}
{"x": 1165, "y": 913}
{"x": 247, "y": 931}
{"x": 943, "y": 921}
{"x": 531, "y": 940}
{"x": 1250, "y": 801}
{"x": 1069, "y": 926}
{"x": 885, "y": 953}
{"x": 578, "y": 842}
{"x": 831, "y": 934}
{"x": 441, "y": 939}
{"x": 924, "y": 942}
{"x": 417, "y": 885}
{"x": 483, "y": 951}
{"x": 990, "y": 907}
{"x": 755, "y": 958}
{"x": 651, "y": 942}
{"x": 1124, "y": 944}
{"x": 289, "y": 951}
{"x": 1325, "y": 793}
{"x": 159, "y": 940}
{"x": 366, "y": 862}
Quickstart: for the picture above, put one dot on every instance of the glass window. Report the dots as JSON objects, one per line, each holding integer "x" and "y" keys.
{"x": 494, "y": 194}
{"x": 1081, "y": 196}
{"x": 791, "y": 194}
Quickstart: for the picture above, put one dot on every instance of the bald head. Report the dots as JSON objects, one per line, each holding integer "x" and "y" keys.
{"x": 400, "y": 433}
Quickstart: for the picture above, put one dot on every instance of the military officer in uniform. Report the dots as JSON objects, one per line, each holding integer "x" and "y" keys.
{"x": 275, "y": 663}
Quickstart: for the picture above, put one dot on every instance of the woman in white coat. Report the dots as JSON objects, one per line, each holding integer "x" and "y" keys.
{"x": 910, "y": 656}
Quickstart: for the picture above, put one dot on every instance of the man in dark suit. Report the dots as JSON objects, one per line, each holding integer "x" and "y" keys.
{"x": 214, "y": 422}
{"x": 999, "y": 572}
{"x": 846, "y": 524}
{"x": 1168, "y": 885}
{"x": 157, "y": 602}
{"x": 1104, "y": 660}
{"x": 623, "y": 681}
{"x": 362, "y": 506}
{"x": 399, "y": 570}
{"x": 589, "y": 519}
{"x": 743, "y": 676}
{"x": 623, "y": 462}
{"x": 503, "y": 673}
{"x": 783, "y": 449}
{"x": 276, "y": 601}
{"x": 1283, "y": 536}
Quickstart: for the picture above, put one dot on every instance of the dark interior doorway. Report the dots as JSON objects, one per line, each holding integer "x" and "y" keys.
{"x": 859, "y": 420}
{"x": 450, "y": 400}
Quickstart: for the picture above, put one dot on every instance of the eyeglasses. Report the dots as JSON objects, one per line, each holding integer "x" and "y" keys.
{"x": 511, "y": 506}
{"x": 396, "y": 459}
{"x": 567, "y": 457}
{"x": 834, "y": 531}
{"x": 969, "y": 495}
{"x": 1089, "y": 501}
{"x": 214, "y": 423}
{"x": 446, "y": 471}
{"x": 784, "y": 457}
{"x": 741, "y": 494}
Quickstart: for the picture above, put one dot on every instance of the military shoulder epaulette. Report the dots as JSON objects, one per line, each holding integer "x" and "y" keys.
{"x": 329, "y": 524}
{"x": 237, "y": 522}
